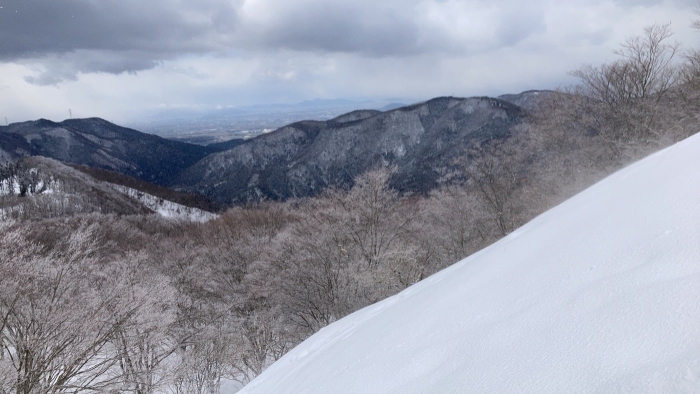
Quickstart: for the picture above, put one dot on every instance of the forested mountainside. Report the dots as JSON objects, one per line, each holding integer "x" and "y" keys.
{"x": 423, "y": 141}
{"x": 101, "y": 144}
{"x": 34, "y": 188}
{"x": 162, "y": 192}
{"x": 529, "y": 100}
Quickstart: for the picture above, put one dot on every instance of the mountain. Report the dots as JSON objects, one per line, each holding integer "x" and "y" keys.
{"x": 299, "y": 160}
{"x": 160, "y": 192}
{"x": 101, "y": 144}
{"x": 204, "y": 125}
{"x": 528, "y": 100}
{"x": 225, "y": 145}
{"x": 40, "y": 188}
{"x": 391, "y": 106}
{"x": 303, "y": 158}
{"x": 599, "y": 294}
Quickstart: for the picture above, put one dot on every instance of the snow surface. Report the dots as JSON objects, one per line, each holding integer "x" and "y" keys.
{"x": 12, "y": 186}
{"x": 162, "y": 207}
{"x": 600, "y": 294}
{"x": 165, "y": 208}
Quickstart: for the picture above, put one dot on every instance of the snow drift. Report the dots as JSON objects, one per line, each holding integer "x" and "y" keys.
{"x": 600, "y": 294}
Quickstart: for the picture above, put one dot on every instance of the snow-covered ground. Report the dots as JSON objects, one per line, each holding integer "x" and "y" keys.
{"x": 166, "y": 208}
{"x": 160, "y": 206}
{"x": 9, "y": 186}
{"x": 600, "y": 294}
{"x": 12, "y": 186}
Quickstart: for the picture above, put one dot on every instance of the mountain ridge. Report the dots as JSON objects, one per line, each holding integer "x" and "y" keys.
{"x": 422, "y": 140}
{"x": 101, "y": 144}
{"x": 303, "y": 158}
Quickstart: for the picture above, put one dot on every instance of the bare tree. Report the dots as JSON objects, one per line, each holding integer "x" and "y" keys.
{"x": 221, "y": 272}
{"x": 260, "y": 340}
{"x": 373, "y": 215}
{"x": 691, "y": 69}
{"x": 347, "y": 250}
{"x": 452, "y": 219}
{"x": 626, "y": 95}
{"x": 145, "y": 340}
{"x": 645, "y": 69}
{"x": 55, "y": 332}
{"x": 491, "y": 169}
{"x": 311, "y": 266}
{"x": 202, "y": 363}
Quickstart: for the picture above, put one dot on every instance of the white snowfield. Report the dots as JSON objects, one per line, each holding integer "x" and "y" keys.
{"x": 598, "y": 295}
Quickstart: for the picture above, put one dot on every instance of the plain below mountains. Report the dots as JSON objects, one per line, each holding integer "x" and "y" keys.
{"x": 302, "y": 159}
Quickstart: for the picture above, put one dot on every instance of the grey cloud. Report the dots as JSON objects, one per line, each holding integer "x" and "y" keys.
{"x": 519, "y": 22}
{"x": 65, "y": 38}
{"x": 51, "y": 78}
{"x": 380, "y": 29}
{"x": 646, "y": 3}
{"x": 191, "y": 72}
{"x": 32, "y": 28}
{"x": 55, "y": 69}
{"x": 73, "y": 36}
{"x": 369, "y": 28}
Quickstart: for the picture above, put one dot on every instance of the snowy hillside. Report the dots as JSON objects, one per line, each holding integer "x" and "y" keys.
{"x": 600, "y": 294}
{"x": 40, "y": 187}
{"x": 165, "y": 208}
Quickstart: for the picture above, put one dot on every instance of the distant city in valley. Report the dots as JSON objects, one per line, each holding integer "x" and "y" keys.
{"x": 223, "y": 124}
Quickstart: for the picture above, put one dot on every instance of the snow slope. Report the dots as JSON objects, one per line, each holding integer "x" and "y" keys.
{"x": 600, "y": 294}
{"x": 165, "y": 208}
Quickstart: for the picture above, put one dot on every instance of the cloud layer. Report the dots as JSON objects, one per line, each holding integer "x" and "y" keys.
{"x": 233, "y": 51}
{"x": 113, "y": 36}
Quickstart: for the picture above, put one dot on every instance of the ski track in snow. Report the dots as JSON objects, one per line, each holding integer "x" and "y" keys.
{"x": 599, "y": 294}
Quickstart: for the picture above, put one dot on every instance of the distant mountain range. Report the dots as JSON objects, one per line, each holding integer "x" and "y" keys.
{"x": 298, "y": 160}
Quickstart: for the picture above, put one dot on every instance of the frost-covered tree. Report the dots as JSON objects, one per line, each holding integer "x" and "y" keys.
{"x": 348, "y": 249}
{"x": 55, "y": 330}
{"x": 146, "y": 337}
{"x": 625, "y": 101}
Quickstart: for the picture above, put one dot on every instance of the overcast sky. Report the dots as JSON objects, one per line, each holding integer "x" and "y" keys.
{"x": 124, "y": 59}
